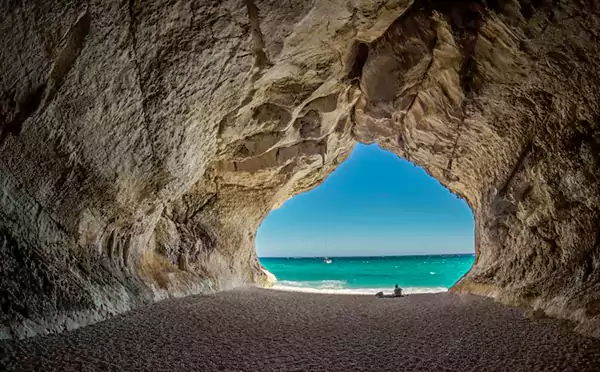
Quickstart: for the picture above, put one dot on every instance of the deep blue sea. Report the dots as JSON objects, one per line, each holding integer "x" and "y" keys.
{"x": 368, "y": 275}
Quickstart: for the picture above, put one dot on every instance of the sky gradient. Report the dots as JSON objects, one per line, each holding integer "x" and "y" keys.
{"x": 374, "y": 203}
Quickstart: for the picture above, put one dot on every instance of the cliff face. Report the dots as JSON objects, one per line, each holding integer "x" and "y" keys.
{"x": 142, "y": 143}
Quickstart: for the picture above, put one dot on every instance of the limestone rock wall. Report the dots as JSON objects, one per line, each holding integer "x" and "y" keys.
{"x": 142, "y": 143}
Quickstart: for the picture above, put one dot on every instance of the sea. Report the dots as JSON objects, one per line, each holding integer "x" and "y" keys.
{"x": 368, "y": 275}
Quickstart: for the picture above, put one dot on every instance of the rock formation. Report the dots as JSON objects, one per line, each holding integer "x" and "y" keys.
{"x": 142, "y": 142}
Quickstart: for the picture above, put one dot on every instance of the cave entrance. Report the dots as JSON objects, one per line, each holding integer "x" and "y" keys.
{"x": 376, "y": 221}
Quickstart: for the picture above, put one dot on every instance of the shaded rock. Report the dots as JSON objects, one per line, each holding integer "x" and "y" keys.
{"x": 535, "y": 314}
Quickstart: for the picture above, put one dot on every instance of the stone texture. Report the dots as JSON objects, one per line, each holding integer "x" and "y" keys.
{"x": 142, "y": 143}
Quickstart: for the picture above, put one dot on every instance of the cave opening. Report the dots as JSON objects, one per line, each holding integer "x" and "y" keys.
{"x": 376, "y": 221}
{"x": 140, "y": 151}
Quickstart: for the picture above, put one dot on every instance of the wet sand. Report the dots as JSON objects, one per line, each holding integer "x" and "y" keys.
{"x": 268, "y": 330}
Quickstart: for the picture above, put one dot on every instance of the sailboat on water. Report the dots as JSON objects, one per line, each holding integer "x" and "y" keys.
{"x": 326, "y": 260}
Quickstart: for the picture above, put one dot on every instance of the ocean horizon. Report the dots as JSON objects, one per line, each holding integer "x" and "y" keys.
{"x": 423, "y": 273}
{"x": 385, "y": 255}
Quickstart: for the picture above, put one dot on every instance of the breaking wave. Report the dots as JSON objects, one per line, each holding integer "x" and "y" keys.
{"x": 340, "y": 287}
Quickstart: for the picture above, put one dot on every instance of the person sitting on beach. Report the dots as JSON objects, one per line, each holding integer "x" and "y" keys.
{"x": 397, "y": 291}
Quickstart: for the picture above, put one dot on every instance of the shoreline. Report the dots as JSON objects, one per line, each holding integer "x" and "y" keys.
{"x": 283, "y": 286}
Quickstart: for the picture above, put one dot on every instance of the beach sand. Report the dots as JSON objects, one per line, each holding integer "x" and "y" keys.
{"x": 270, "y": 330}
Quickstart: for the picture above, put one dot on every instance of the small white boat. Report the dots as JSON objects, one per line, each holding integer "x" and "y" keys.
{"x": 328, "y": 261}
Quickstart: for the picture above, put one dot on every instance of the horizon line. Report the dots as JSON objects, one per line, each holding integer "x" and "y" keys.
{"x": 385, "y": 255}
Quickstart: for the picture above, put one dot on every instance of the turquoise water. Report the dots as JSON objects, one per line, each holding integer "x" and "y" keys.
{"x": 415, "y": 274}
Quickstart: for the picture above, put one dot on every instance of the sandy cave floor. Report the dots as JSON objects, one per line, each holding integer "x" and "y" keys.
{"x": 269, "y": 330}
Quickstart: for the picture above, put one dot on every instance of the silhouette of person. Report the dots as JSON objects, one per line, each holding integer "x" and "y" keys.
{"x": 397, "y": 291}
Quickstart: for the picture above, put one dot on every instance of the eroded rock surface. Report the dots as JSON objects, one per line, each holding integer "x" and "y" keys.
{"x": 142, "y": 143}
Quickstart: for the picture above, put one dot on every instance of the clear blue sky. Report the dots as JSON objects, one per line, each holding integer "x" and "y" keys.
{"x": 374, "y": 203}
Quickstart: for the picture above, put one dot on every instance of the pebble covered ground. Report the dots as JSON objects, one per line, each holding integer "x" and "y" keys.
{"x": 269, "y": 330}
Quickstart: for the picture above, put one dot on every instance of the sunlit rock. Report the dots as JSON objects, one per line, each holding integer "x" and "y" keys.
{"x": 266, "y": 279}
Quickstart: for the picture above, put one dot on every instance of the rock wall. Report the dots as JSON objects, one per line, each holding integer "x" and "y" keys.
{"x": 142, "y": 143}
